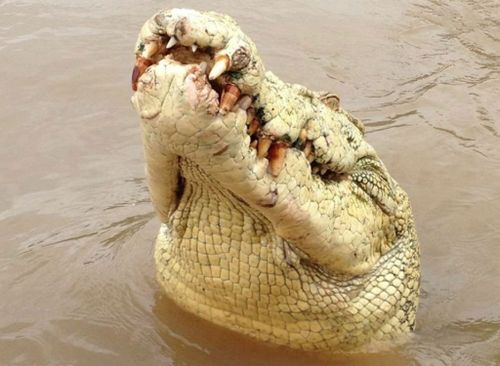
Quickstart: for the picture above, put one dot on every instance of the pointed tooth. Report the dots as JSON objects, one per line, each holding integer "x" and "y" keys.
{"x": 323, "y": 170}
{"x": 221, "y": 65}
{"x": 308, "y": 148}
{"x": 254, "y": 126}
{"x": 203, "y": 67}
{"x": 276, "y": 157}
{"x": 229, "y": 97}
{"x": 151, "y": 48}
{"x": 218, "y": 69}
{"x": 264, "y": 145}
{"x": 315, "y": 169}
{"x": 254, "y": 143}
{"x": 260, "y": 167}
{"x": 194, "y": 48}
{"x": 310, "y": 158}
{"x": 303, "y": 135}
{"x": 250, "y": 115}
{"x": 245, "y": 102}
{"x": 171, "y": 42}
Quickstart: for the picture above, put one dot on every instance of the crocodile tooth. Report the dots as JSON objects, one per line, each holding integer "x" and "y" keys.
{"x": 254, "y": 143}
{"x": 243, "y": 103}
{"x": 254, "y": 126}
{"x": 250, "y": 115}
{"x": 303, "y": 135}
{"x": 203, "y": 67}
{"x": 229, "y": 97}
{"x": 194, "y": 48}
{"x": 310, "y": 158}
{"x": 323, "y": 170}
{"x": 277, "y": 154}
{"x": 150, "y": 49}
{"x": 260, "y": 168}
{"x": 315, "y": 169}
{"x": 221, "y": 66}
{"x": 308, "y": 148}
{"x": 264, "y": 145}
{"x": 171, "y": 42}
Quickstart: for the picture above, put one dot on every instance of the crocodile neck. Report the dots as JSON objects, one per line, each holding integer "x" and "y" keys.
{"x": 219, "y": 259}
{"x": 218, "y": 244}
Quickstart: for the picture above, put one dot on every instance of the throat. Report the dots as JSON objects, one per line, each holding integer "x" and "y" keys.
{"x": 215, "y": 245}
{"x": 211, "y": 221}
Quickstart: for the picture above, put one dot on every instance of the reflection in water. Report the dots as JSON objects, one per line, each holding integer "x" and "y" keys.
{"x": 76, "y": 267}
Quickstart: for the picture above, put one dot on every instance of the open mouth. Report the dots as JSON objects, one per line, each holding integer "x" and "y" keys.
{"x": 211, "y": 66}
{"x": 211, "y": 75}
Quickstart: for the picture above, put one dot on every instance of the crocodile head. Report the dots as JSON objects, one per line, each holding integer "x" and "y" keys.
{"x": 279, "y": 161}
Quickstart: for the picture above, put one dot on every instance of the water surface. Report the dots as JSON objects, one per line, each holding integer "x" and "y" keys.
{"x": 76, "y": 270}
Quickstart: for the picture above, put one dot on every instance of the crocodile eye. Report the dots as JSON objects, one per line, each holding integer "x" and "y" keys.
{"x": 141, "y": 47}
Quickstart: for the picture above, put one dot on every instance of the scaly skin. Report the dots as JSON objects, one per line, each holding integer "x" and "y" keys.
{"x": 309, "y": 249}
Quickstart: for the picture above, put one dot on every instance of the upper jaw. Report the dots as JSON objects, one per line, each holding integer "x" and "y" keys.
{"x": 183, "y": 67}
{"x": 162, "y": 61}
{"x": 193, "y": 37}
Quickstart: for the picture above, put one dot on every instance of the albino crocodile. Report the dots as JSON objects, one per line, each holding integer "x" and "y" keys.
{"x": 279, "y": 219}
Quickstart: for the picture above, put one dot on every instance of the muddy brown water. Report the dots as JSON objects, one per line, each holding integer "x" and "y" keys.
{"x": 76, "y": 271}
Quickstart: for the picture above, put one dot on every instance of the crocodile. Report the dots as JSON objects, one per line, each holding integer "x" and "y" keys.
{"x": 278, "y": 219}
